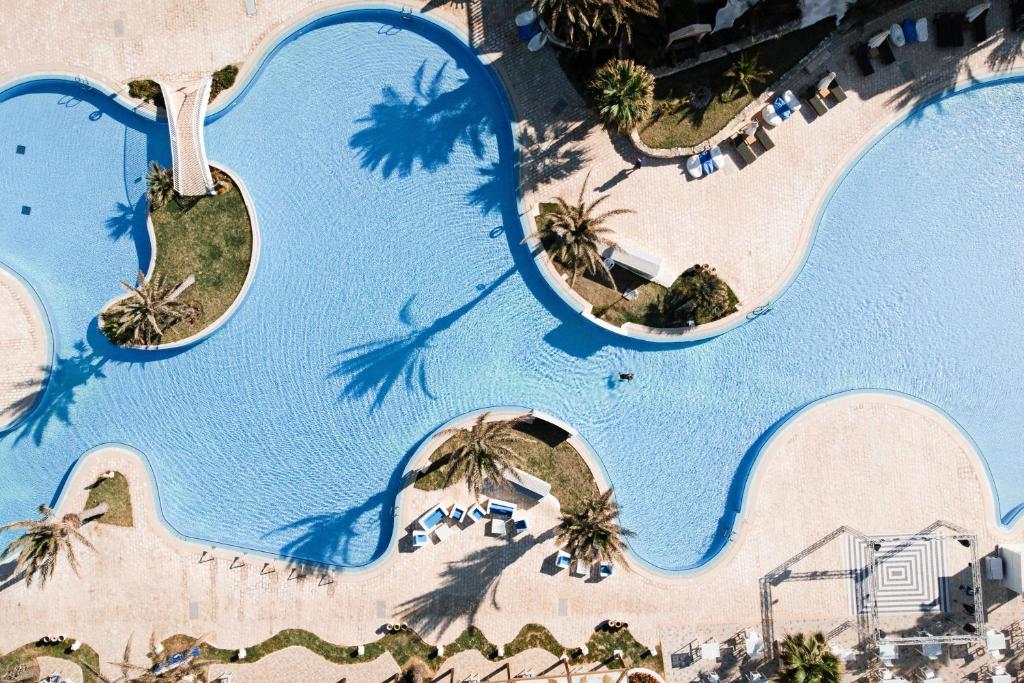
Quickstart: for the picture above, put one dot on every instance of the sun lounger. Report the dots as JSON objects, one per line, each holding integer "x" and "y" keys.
{"x": 457, "y": 513}
{"x": 476, "y": 513}
{"x": 1017, "y": 15}
{"x": 781, "y": 108}
{"x": 836, "y": 91}
{"x": 862, "y": 55}
{"x": 742, "y": 144}
{"x": 921, "y": 25}
{"x": 817, "y": 104}
{"x": 562, "y": 560}
{"x": 909, "y": 30}
{"x": 948, "y": 30}
{"x": 896, "y": 36}
{"x": 432, "y": 518}
{"x": 705, "y": 163}
{"x": 766, "y": 141}
{"x": 443, "y": 532}
{"x": 977, "y": 17}
{"x": 501, "y": 508}
{"x": 419, "y": 539}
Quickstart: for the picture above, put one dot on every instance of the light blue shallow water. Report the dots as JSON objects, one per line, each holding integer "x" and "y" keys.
{"x": 393, "y": 294}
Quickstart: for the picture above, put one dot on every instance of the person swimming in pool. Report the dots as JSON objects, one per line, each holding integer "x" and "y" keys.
{"x": 625, "y": 376}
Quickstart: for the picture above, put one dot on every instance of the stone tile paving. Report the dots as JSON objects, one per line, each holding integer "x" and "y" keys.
{"x": 145, "y": 579}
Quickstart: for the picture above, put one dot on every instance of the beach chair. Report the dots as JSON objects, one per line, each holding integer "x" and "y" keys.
{"x": 836, "y": 91}
{"x": 742, "y": 144}
{"x": 977, "y": 19}
{"x": 921, "y": 26}
{"x": 766, "y": 141}
{"x": 862, "y": 55}
{"x": 562, "y": 560}
{"x": 813, "y": 98}
{"x": 476, "y": 513}
{"x": 949, "y": 30}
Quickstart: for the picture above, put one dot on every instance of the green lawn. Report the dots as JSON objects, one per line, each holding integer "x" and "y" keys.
{"x": 609, "y": 304}
{"x": 210, "y": 238}
{"x": 113, "y": 492}
{"x": 20, "y": 664}
{"x": 677, "y": 123}
{"x": 544, "y": 456}
{"x": 407, "y": 647}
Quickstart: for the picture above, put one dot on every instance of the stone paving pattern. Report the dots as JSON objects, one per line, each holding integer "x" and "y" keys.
{"x": 857, "y": 459}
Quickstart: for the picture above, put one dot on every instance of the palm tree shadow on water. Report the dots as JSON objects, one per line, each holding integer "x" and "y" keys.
{"x": 424, "y": 129}
{"x": 374, "y": 367}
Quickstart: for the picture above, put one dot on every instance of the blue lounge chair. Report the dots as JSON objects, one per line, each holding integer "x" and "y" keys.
{"x": 521, "y": 524}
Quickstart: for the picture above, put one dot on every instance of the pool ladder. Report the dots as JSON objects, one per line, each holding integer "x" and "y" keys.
{"x": 406, "y": 13}
{"x": 760, "y": 310}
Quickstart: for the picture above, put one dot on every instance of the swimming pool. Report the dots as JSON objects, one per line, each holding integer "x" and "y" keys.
{"x": 393, "y": 293}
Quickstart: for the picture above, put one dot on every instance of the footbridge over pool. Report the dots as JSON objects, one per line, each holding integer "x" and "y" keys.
{"x": 186, "y": 111}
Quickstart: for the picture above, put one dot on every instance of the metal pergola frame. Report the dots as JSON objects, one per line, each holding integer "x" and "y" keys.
{"x": 954, "y": 533}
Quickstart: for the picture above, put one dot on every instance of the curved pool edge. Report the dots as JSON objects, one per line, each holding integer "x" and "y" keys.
{"x": 50, "y": 344}
{"x": 243, "y": 293}
{"x": 721, "y": 553}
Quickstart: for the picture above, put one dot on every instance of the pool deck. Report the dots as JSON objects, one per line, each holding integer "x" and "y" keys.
{"x": 24, "y": 348}
{"x": 863, "y": 457}
{"x": 877, "y": 463}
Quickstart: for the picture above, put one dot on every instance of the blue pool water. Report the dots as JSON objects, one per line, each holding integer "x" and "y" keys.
{"x": 393, "y": 294}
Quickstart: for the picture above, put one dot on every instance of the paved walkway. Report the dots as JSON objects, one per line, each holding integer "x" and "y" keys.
{"x": 24, "y": 348}
{"x": 858, "y": 459}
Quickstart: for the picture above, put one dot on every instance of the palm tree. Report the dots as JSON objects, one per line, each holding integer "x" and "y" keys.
{"x": 486, "y": 452}
{"x": 590, "y": 531}
{"x": 746, "y": 71}
{"x": 574, "y": 235}
{"x": 581, "y": 22}
{"x": 809, "y": 660}
{"x": 159, "y": 185}
{"x": 46, "y": 540}
{"x": 190, "y": 669}
{"x": 698, "y": 294}
{"x": 623, "y": 93}
{"x": 144, "y": 315}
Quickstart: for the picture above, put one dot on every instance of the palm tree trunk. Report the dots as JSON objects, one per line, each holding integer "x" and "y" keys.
{"x": 95, "y": 511}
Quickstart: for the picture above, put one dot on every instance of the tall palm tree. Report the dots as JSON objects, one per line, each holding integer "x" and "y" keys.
{"x": 589, "y": 530}
{"x": 159, "y": 185}
{"x": 144, "y": 315}
{"x": 575, "y": 235}
{"x": 809, "y": 660}
{"x": 746, "y": 71}
{"x": 698, "y": 294}
{"x": 581, "y": 22}
{"x": 623, "y": 93}
{"x": 46, "y": 540}
{"x": 487, "y": 453}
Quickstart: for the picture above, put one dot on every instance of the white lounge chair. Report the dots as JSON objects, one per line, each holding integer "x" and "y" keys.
{"x": 922, "y": 30}
{"x": 457, "y": 513}
{"x": 443, "y": 533}
{"x": 476, "y": 513}
{"x": 695, "y": 165}
{"x": 896, "y": 36}
{"x": 773, "y": 116}
{"x": 563, "y": 560}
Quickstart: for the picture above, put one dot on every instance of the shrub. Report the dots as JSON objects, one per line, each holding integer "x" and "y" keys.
{"x": 414, "y": 673}
{"x": 698, "y": 295}
{"x": 147, "y": 90}
{"x": 642, "y": 677}
{"x": 223, "y": 79}
{"x": 622, "y": 91}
